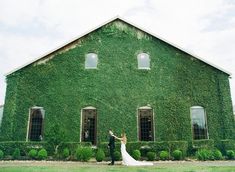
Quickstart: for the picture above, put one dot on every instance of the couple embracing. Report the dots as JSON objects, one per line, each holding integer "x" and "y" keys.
{"x": 126, "y": 158}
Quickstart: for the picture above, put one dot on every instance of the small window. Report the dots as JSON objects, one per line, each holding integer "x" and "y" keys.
{"x": 199, "y": 124}
{"x": 91, "y": 61}
{"x": 143, "y": 61}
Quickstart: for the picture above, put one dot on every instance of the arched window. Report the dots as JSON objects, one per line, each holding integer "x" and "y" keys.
{"x": 91, "y": 61}
{"x": 89, "y": 125}
{"x": 36, "y": 124}
{"x": 143, "y": 61}
{"x": 199, "y": 123}
{"x": 145, "y": 120}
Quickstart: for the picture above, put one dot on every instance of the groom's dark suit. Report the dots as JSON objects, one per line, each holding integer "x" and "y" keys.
{"x": 111, "y": 148}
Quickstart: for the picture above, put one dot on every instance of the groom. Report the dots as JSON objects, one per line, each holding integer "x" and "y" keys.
{"x": 111, "y": 146}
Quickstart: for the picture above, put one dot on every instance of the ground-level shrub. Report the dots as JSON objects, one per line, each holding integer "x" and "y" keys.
{"x": 204, "y": 154}
{"x": 100, "y": 155}
{"x": 178, "y": 145}
{"x": 164, "y": 155}
{"x": 136, "y": 154}
{"x": 84, "y": 153}
{"x": 33, "y": 153}
{"x": 1, "y": 154}
{"x": 225, "y": 145}
{"x": 66, "y": 153}
{"x": 117, "y": 156}
{"x": 230, "y": 154}
{"x": 151, "y": 156}
{"x": 16, "y": 153}
{"x": 8, "y": 147}
{"x": 177, "y": 154}
{"x": 217, "y": 154}
{"x": 42, "y": 154}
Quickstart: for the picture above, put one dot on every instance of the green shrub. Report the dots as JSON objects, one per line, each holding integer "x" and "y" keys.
{"x": 8, "y": 147}
{"x": 99, "y": 155}
{"x": 196, "y": 145}
{"x": 84, "y": 153}
{"x": 151, "y": 156}
{"x": 226, "y": 145}
{"x": 117, "y": 156}
{"x": 204, "y": 154}
{"x": 33, "y": 153}
{"x": 178, "y": 145}
{"x": 42, "y": 154}
{"x": 177, "y": 154}
{"x": 16, "y": 153}
{"x": 136, "y": 154}
{"x": 164, "y": 155}
{"x": 145, "y": 149}
{"x": 230, "y": 154}
{"x": 1, "y": 154}
{"x": 217, "y": 154}
{"x": 66, "y": 153}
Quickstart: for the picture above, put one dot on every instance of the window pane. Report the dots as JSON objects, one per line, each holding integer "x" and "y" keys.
{"x": 36, "y": 125}
{"x": 143, "y": 61}
{"x": 146, "y": 125}
{"x": 91, "y": 61}
{"x": 199, "y": 122}
{"x": 89, "y": 126}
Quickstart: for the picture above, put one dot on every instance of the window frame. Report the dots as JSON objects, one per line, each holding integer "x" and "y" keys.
{"x": 206, "y": 124}
{"x": 149, "y": 61}
{"x": 82, "y": 124}
{"x": 29, "y": 126}
{"x": 138, "y": 122}
{"x": 86, "y": 56}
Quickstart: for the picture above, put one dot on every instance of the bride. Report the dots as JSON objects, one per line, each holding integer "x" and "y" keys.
{"x": 126, "y": 158}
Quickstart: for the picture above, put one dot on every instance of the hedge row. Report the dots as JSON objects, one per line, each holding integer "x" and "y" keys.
{"x": 187, "y": 148}
{"x": 9, "y": 147}
{"x": 145, "y": 147}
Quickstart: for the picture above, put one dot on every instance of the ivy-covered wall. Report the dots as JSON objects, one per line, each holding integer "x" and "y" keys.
{"x": 176, "y": 81}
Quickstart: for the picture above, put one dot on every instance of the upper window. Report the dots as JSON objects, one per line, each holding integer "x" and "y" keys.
{"x": 143, "y": 61}
{"x": 199, "y": 124}
{"x": 91, "y": 61}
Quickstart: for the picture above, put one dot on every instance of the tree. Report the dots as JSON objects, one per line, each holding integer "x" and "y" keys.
{"x": 55, "y": 137}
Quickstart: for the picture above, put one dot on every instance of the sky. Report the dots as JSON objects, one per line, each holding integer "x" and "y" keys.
{"x": 31, "y": 28}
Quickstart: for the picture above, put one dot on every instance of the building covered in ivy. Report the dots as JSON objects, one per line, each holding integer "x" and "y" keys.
{"x": 122, "y": 77}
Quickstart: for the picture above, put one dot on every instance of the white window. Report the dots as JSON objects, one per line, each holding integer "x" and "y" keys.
{"x": 199, "y": 124}
{"x": 91, "y": 61}
{"x": 143, "y": 61}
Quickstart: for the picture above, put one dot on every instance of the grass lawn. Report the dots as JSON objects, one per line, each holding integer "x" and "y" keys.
{"x": 67, "y": 167}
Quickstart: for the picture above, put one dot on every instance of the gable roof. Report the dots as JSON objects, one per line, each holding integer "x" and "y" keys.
{"x": 130, "y": 23}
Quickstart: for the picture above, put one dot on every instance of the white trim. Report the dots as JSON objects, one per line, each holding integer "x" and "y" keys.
{"x": 88, "y": 107}
{"x": 128, "y": 22}
{"x": 147, "y": 108}
{"x": 144, "y": 68}
{"x": 205, "y": 117}
{"x": 81, "y": 127}
{"x": 29, "y": 118}
{"x": 90, "y": 67}
{"x": 27, "y": 134}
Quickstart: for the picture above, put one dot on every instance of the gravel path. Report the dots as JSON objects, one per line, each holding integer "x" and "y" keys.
{"x": 93, "y": 163}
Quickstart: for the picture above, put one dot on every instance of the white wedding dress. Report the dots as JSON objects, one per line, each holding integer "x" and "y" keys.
{"x": 128, "y": 160}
